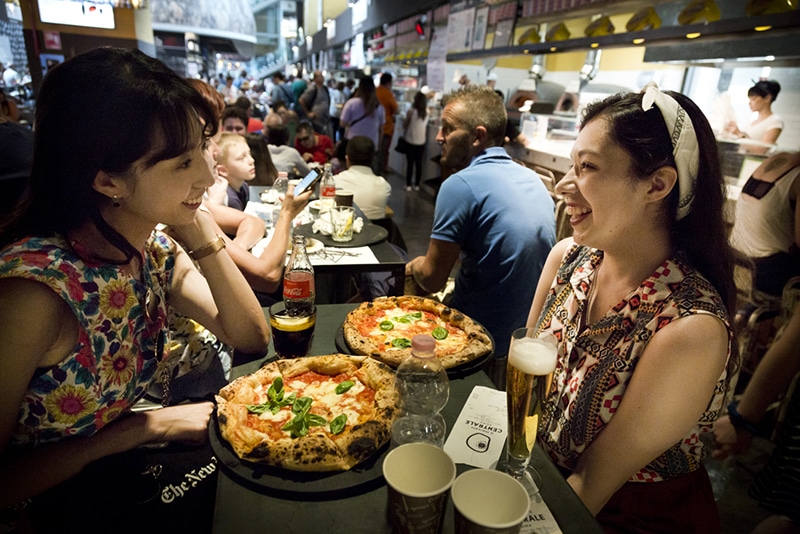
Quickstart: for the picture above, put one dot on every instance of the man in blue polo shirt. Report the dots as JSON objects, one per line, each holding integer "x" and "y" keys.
{"x": 492, "y": 213}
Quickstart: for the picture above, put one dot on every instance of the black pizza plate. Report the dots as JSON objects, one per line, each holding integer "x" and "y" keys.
{"x": 300, "y": 485}
{"x": 465, "y": 369}
{"x": 369, "y": 235}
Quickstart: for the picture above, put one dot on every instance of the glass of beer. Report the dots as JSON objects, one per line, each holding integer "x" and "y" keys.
{"x": 291, "y": 334}
{"x": 531, "y": 362}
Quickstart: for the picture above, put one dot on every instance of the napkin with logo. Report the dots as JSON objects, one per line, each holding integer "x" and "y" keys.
{"x": 479, "y": 434}
{"x": 478, "y": 439}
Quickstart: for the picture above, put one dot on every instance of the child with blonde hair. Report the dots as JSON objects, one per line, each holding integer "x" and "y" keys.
{"x": 236, "y": 164}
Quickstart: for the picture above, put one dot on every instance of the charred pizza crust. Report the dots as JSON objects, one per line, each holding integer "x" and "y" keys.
{"x": 319, "y": 450}
{"x": 476, "y": 343}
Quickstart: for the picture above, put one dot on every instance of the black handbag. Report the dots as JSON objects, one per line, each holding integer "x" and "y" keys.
{"x": 402, "y": 145}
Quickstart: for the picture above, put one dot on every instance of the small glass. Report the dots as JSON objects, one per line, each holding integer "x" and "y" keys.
{"x": 291, "y": 335}
{"x": 531, "y": 362}
{"x": 342, "y": 219}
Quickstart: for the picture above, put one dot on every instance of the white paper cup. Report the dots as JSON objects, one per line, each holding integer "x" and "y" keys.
{"x": 419, "y": 477}
{"x": 489, "y": 502}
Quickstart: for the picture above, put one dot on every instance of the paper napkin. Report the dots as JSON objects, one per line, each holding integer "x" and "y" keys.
{"x": 479, "y": 435}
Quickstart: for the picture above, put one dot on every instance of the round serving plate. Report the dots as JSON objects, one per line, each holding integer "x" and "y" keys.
{"x": 369, "y": 235}
{"x": 287, "y": 484}
{"x": 466, "y": 368}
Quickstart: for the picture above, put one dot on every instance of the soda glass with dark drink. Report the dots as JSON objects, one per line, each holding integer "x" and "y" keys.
{"x": 291, "y": 334}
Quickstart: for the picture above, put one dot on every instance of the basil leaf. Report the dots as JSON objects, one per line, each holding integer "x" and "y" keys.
{"x": 401, "y": 342}
{"x": 404, "y": 319}
{"x": 301, "y": 406}
{"x": 258, "y": 408}
{"x": 313, "y": 419}
{"x": 439, "y": 332}
{"x": 416, "y": 315}
{"x": 338, "y": 423}
{"x": 344, "y": 386}
{"x": 275, "y": 391}
{"x": 386, "y": 326}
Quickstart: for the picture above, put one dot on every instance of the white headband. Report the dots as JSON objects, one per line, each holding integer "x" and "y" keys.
{"x": 684, "y": 143}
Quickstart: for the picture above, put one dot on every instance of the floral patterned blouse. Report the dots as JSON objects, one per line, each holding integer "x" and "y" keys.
{"x": 596, "y": 363}
{"x": 115, "y": 358}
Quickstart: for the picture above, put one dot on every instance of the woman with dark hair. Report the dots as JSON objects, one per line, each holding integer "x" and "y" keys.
{"x": 638, "y": 299}
{"x": 87, "y": 281}
{"x": 265, "y": 169}
{"x": 363, "y": 114}
{"x": 414, "y": 131}
{"x": 767, "y": 126}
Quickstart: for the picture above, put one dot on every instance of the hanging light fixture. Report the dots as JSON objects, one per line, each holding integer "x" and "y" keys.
{"x": 599, "y": 27}
{"x": 644, "y": 19}
{"x": 559, "y": 32}
{"x": 769, "y": 7}
{"x": 698, "y": 11}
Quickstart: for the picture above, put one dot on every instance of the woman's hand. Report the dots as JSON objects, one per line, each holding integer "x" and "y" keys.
{"x": 187, "y": 423}
{"x": 728, "y": 439}
{"x": 201, "y": 231}
{"x": 218, "y": 192}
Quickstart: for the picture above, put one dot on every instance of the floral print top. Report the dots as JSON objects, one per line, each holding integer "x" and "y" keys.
{"x": 596, "y": 361}
{"x": 115, "y": 357}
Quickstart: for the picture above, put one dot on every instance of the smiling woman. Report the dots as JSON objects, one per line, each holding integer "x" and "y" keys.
{"x": 639, "y": 301}
{"x": 86, "y": 281}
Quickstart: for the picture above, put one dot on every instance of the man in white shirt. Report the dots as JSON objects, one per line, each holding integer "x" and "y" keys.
{"x": 370, "y": 191}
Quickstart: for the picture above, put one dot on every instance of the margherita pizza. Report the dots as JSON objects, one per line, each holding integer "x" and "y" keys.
{"x": 384, "y": 327}
{"x": 320, "y": 413}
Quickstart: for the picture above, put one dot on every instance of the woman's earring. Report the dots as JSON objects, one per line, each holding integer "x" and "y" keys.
{"x": 116, "y": 201}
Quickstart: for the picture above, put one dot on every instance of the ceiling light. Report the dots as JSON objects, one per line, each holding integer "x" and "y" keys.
{"x": 644, "y": 19}
{"x": 694, "y": 35}
{"x": 638, "y": 41}
{"x": 559, "y": 32}
{"x": 699, "y": 11}
{"x": 762, "y": 28}
{"x": 598, "y": 28}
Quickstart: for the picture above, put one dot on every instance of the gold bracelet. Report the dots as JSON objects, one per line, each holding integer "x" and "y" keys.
{"x": 215, "y": 245}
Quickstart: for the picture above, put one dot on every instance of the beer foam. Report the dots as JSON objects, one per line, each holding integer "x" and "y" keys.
{"x": 532, "y": 356}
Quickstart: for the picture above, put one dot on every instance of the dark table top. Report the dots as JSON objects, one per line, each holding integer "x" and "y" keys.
{"x": 239, "y": 509}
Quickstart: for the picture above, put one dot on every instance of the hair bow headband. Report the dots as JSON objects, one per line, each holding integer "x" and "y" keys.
{"x": 685, "y": 150}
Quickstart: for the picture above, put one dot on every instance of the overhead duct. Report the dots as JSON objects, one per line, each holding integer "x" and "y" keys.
{"x": 590, "y": 66}
{"x": 537, "y": 67}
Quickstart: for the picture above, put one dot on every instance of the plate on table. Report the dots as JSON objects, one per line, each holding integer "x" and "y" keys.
{"x": 466, "y": 368}
{"x": 369, "y": 235}
{"x": 287, "y": 484}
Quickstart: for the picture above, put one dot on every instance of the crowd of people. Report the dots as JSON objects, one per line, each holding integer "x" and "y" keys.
{"x": 130, "y": 240}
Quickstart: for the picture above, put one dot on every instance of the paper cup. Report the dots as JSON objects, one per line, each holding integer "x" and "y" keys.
{"x": 419, "y": 477}
{"x": 343, "y": 197}
{"x": 489, "y": 502}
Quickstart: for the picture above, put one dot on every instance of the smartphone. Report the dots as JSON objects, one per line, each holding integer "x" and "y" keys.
{"x": 308, "y": 181}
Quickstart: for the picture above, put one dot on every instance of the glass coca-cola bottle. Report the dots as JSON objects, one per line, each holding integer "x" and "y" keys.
{"x": 298, "y": 280}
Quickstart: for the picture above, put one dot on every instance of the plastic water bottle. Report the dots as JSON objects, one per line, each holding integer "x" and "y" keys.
{"x": 424, "y": 388}
{"x": 298, "y": 281}
{"x": 327, "y": 188}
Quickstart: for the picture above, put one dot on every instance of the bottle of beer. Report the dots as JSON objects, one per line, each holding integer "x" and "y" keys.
{"x": 327, "y": 188}
{"x": 298, "y": 280}
{"x": 423, "y": 388}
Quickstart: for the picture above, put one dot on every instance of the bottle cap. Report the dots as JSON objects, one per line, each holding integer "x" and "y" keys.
{"x": 423, "y": 343}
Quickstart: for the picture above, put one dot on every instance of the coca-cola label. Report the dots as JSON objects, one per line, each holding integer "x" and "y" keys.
{"x": 328, "y": 191}
{"x": 296, "y": 289}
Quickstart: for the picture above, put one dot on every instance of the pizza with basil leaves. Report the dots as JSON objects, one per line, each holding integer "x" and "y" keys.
{"x": 319, "y": 413}
{"x": 384, "y": 327}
